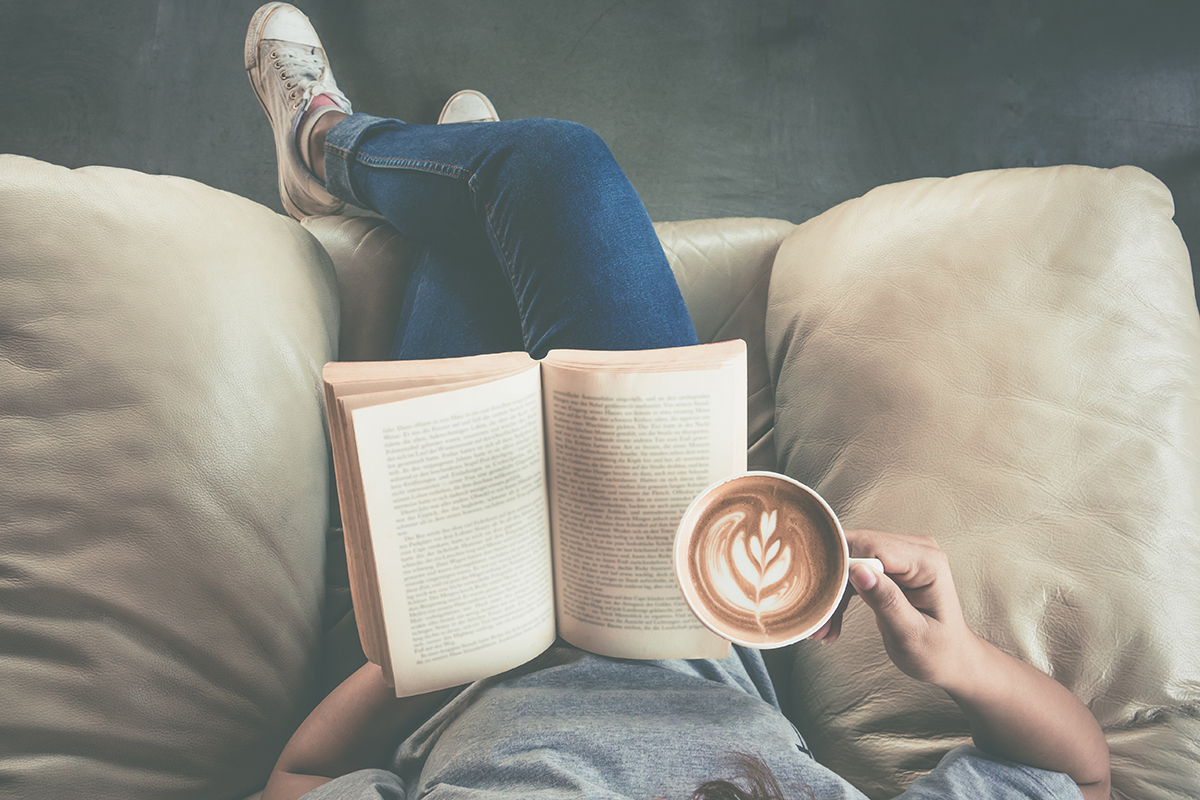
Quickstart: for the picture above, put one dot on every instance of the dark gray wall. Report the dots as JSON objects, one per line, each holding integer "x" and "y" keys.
{"x": 714, "y": 107}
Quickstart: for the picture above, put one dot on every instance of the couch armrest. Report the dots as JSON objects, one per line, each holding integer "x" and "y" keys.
{"x": 1008, "y": 361}
{"x": 164, "y": 473}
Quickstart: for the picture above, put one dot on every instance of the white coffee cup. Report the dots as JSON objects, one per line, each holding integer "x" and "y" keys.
{"x": 762, "y": 559}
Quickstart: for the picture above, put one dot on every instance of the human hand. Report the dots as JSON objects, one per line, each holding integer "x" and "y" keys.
{"x": 1014, "y": 710}
{"x": 916, "y": 606}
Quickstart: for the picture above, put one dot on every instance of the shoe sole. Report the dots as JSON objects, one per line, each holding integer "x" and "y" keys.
{"x": 250, "y": 56}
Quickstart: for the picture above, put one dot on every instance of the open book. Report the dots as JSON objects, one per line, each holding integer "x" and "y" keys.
{"x": 493, "y": 502}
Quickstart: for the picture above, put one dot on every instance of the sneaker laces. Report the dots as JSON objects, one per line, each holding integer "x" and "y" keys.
{"x": 305, "y": 74}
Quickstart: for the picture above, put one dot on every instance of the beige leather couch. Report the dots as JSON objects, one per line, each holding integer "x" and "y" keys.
{"x": 1009, "y": 361}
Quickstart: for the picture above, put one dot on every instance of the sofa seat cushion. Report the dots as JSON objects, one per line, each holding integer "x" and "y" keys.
{"x": 164, "y": 481}
{"x": 1007, "y": 361}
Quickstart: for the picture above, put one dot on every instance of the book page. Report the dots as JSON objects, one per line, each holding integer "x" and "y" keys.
{"x": 361, "y": 377}
{"x": 627, "y": 454}
{"x": 351, "y": 385}
{"x": 455, "y": 495}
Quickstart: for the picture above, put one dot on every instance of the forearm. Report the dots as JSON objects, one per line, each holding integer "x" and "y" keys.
{"x": 1014, "y": 710}
{"x": 353, "y": 728}
{"x": 1024, "y": 715}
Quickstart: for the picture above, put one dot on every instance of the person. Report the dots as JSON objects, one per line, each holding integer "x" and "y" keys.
{"x": 535, "y": 239}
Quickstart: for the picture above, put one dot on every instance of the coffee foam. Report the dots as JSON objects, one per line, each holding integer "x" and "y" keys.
{"x": 764, "y": 558}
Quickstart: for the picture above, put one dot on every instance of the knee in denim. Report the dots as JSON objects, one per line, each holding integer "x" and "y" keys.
{"x": 556, "y": 148}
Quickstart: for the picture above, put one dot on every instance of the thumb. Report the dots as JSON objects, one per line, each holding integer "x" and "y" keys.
{"x": 884, "y": 597}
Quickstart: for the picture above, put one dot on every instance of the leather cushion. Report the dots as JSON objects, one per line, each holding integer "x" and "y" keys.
{"x": 1007, "y": 361}
{"x": 373, "y": 262}
{"x": 723, "y": 268}
{"x": 164, "y": 483}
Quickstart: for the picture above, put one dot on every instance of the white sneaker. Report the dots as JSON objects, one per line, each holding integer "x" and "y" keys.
{"x": 288, "y": 68}
{"x": 468, "y": 106}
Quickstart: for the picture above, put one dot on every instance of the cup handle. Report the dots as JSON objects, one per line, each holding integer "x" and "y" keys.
{"x": 873, "y": 563}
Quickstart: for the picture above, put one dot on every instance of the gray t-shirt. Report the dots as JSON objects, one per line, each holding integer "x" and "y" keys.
{"x": 573, "y": 724}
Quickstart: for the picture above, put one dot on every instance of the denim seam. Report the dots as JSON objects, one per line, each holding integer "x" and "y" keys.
{"x": 341, "y": 142}
{"x": 406, "y": 163}
{"x": 504, "y": 259}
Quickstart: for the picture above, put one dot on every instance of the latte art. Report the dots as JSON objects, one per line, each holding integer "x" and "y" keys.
{"x": 750, "y": 570}
{"x": 763, "y": 559}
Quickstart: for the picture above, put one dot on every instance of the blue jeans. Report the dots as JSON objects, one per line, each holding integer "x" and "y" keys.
{"x": 535, "y": 239}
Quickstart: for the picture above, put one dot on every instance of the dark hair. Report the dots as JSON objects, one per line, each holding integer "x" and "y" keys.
{"x": 750, "y": 770}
